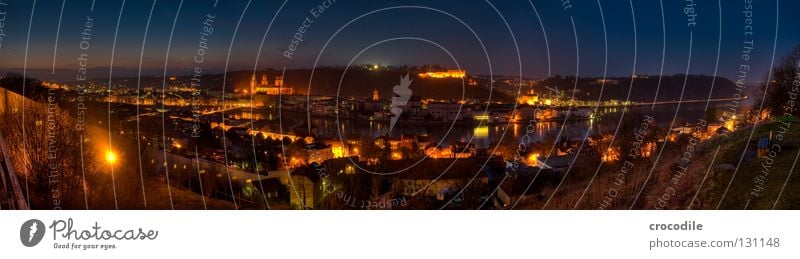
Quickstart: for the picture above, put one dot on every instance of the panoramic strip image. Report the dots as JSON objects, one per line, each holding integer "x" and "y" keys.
{"x": 398, "y": 105}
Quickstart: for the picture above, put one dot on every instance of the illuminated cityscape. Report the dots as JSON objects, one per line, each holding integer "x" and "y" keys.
{"x": 213, "y": 109}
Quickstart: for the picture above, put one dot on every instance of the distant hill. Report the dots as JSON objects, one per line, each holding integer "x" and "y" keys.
{"x": 358, "y": 82}
{"x": 33, "y": 87}
{"x": 644, "y": 88}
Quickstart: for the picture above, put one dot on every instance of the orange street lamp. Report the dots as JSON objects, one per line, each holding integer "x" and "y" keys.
{"x": 111, "y": 157}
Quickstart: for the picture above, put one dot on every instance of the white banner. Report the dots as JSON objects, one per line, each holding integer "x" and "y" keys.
{"x": 399, "y": 234}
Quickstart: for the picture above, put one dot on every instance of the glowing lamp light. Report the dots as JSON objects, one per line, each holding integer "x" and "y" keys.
{"x": 111, "y": 157}
{"x": 533, "y": 158}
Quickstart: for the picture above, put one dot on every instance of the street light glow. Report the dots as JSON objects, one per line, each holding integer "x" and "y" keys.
{"x": 111, "y": 157}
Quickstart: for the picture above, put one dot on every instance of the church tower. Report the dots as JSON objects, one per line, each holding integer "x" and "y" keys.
{"x": 375, "y": 95}
{"x": 253, "y": 84}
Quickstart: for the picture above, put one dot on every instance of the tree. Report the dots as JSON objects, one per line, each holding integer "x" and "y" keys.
{"x": 368, "y": 149}
{"x": 48, "y": 158}
{"x": 205, "y": 138}
{"x": 14, "y": 81}
{"x": 784, "y": 86}
{"x": 297, "y": 150}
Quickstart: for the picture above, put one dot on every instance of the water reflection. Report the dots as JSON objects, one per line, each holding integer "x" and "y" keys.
{"x": 482, "y": 135}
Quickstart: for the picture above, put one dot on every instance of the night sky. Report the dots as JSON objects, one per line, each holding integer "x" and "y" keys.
{"x": 408, "y": 34}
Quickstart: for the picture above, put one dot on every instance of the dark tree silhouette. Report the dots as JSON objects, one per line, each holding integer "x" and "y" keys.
{"x": 783, "y": 86}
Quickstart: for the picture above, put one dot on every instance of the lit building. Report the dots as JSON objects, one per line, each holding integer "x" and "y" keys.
{"x": 607, "y": 82}
{"x": 269, "y": 89}
{"x": 307, "y": 182}
{"x": 530, "y": 98}
{"x": 612, "y": 155}
{"x": 423, "y": 142}
{"x": 413, "y": 106}
{"x": 437, "y": 152}
{"x": 52, "y": 85}
{"x": 544, "y": 115}
{"x": 318, "y": 153}
{"x": 444, "y": 74}
{"x": 446, "y": 111}
{"x": 338, "y": 149}
{"x": 730, "y": 124}
{"x": 648, "y": 149}
{"x": 278, "y": 91}
{"x": 384, "y": 141}
{"x": 375, "y": 95}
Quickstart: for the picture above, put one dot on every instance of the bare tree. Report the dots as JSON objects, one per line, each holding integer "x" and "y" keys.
{"x": 47, "y": 153}
{"x": 783, "y": 84}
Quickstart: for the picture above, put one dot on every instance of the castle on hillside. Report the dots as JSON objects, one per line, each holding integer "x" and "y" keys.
{"x": 444, "y": 74}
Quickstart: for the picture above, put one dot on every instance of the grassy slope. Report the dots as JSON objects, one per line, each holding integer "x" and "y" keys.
{"x": 687, "y": 186}
{"x": 743, "y": 183}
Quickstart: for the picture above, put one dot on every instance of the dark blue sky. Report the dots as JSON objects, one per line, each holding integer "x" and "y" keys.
{"x": 406, "y": 23}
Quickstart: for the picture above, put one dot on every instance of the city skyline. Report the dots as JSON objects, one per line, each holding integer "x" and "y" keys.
{"x": 417, "y": 20}
{"x": 568, "y": 128}
{"x": 410, "y": 105}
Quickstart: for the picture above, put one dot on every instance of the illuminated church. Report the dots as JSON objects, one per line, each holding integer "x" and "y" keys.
{"x": 269, "y": 89}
